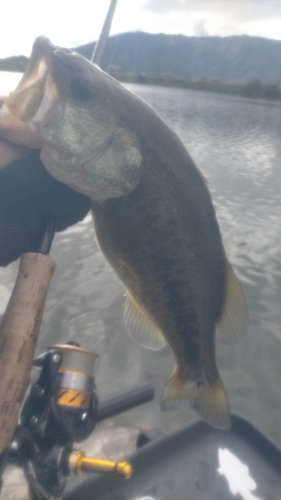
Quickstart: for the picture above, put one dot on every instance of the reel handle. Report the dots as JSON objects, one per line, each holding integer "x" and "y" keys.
{"x": 78, "y": 463}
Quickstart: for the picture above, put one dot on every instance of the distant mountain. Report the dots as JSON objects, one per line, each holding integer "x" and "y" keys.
{"x": 233, "y": 58}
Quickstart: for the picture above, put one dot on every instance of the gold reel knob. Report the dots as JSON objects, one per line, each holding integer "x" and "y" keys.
{"x": 78, "y": 462}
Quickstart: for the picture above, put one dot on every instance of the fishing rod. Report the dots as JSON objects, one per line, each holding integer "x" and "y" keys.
{"x": 21, "y": 322}
{"x": 104, "y": 34}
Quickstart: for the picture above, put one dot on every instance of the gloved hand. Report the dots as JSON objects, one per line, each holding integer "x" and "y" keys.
{"x": 29, "y": 199}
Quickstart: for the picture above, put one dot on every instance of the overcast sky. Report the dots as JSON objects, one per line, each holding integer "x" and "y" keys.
{"x": 68, "y": 23}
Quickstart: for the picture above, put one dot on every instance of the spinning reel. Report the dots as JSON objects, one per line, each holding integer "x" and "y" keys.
{"x": 62, "y": 407}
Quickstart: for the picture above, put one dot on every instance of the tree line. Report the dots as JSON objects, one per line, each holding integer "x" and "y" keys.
{"x": 254, "y": 89}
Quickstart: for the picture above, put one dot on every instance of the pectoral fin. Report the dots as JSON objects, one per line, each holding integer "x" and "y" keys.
{"x": 210, "y": 401}
{"x": 234, "y": 319}
{"x": 141, "y": 327}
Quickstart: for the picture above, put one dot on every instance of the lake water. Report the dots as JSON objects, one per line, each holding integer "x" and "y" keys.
{"x": 236, "y": 144}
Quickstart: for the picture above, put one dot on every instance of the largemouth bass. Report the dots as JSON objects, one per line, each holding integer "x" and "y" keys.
{"x": 153, "y": 215}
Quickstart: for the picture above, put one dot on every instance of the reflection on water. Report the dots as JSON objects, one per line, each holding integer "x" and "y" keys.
{"x": 145, "y": 498}
{"x": 236, "y": 144}
{"x": 237, "y": 475}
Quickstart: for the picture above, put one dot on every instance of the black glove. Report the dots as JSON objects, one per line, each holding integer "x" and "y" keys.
{"x": 29, "y": 199}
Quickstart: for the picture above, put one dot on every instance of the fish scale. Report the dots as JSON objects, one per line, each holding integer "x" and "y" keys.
{"x": 150, "y": 231}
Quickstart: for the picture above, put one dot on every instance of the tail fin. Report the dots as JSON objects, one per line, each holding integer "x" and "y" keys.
{"x": 210, "y": 401}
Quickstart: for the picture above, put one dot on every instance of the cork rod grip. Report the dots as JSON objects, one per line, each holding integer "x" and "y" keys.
{"x": 18, "y": 336}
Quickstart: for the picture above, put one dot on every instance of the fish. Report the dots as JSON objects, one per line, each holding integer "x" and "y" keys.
{"x": 153, "y": 215}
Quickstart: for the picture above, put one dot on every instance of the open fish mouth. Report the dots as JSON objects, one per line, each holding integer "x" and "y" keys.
{"x": 27, "y": 106}
{"x": 34, "y": 103}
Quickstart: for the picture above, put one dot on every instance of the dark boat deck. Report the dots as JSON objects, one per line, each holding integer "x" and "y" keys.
{"x": 181, "y": 466}
{"x": 184, "y": 465}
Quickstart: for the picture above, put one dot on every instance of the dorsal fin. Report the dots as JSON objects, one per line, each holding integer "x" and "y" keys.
{"x": 234, "y": 318}
{"x": 141, "y": 327}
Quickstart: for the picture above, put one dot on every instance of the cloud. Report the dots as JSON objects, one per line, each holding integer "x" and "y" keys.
{"x": 199, "y": 29}
{"x": 57, "y": 19}
{"x": 68, "y": 26}
{"x": 243, "y": 10}
{"x": 218, "y": 17}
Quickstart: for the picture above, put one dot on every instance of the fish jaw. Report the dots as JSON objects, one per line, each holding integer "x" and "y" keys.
{"x": 21, "y": 105}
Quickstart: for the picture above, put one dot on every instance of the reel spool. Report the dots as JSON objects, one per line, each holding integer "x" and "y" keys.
{"x": 74, "y": 402}
{"x": 75, "y": 382}
{"x": 62, "y": 404}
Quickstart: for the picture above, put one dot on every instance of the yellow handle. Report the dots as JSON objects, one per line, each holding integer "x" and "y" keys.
{"x": 78, "y": 462}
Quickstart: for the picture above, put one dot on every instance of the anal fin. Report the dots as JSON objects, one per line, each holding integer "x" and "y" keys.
{"x": 141, "y": 327}
{"x": 209, "y": 400}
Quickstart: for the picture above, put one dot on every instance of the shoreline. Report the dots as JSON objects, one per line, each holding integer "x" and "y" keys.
{"x": 254, "y": 89}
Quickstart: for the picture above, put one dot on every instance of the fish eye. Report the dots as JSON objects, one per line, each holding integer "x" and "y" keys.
{"x": 80, "y": 87}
